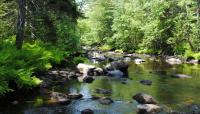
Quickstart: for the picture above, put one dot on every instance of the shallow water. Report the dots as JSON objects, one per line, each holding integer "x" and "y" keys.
{"x": 172, "y": 93}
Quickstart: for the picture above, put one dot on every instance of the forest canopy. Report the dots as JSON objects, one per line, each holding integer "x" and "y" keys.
{"x": 143, "y": 26}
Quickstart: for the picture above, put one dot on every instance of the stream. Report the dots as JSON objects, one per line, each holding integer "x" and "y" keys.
{"x": 172, "y": 93}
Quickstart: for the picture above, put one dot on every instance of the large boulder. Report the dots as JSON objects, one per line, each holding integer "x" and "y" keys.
{"x": 180, "y": 76}
{"x": 144, "y": 99}
{"x": 173, "y": 61}
{"x": 89, "y": 70}
{"x": 118, "y": 65}
{"x": 95, "y": 72}
{"x": 84, "y": 68}
{"x": 148, "y": 109}
{"x": 105, "y": 100}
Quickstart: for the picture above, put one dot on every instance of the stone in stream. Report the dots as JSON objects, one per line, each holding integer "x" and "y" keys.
{"x": 95, "y": 72}
{"x": 144, "y": 98}
{"x": 173, "y": 61}
{"x": 59, "y": 98}
{"x": 89, "y": 70}
{"x": 74, "y": 96}
{"x": 105, "y": 100}
{"x": 46, "y": 82}
{"x": 192, "y": 60}
{"x": 84, "y": 68}
{"x": 15, "y": 102}
{"x": 139, "y": 61}
{"x": 94, "y": 97}
{"x": 146, "y": 82}
{"x": 87, "y": 111}
{"x": 127, "y": 59}
{"x": 118, "y": 66}
{"x": 86, "y": 79}
{"x": 148, "y": 109}
{"x": 180, "y": 76}
{"x": 103, "y": 91}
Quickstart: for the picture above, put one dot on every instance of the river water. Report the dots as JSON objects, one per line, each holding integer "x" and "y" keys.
{"x": 175, "y": 94}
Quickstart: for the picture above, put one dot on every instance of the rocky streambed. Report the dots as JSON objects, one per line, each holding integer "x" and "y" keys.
{"x": 115, "y": 83}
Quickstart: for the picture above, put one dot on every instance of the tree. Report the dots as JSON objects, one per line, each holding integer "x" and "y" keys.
{"x": 20, "y": 23}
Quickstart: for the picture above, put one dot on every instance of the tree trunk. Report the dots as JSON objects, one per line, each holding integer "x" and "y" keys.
{"x": 20, "y": 24}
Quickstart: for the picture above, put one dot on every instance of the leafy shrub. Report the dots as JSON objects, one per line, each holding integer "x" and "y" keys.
{"x": 189, "y": 54}
{"x": 77, "y": 60}
{"x": 105, "y": 48}
{"x": 19, "y": 65}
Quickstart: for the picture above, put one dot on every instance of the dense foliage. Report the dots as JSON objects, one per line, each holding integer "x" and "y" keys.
{"x": 46, "y": 38}
{"x": 156, "y": 26}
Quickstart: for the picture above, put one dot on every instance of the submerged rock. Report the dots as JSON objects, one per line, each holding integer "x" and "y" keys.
{"x": 146, "y": 82}
{"x": 105, "y": 100}
{"x": 87, "y": 111}
{"x": 95, "y": 97}
{"x": 59, "y": 98}
{"x": 103, "y": 91}
{"x": 148, "y": 109}
{"x": 144, "y": 99}
{"x": 115, "y": 73}
{"x": 180, "y": 76}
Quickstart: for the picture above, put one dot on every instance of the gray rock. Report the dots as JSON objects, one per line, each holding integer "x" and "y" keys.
{"x": 144, "y": 99}
{"x": 86, "y": 79}
{"x": 180, "y": 76}
{"x": 53, "y": 72}
{"x": 74, "y": 96}
{"x": 105, "y": 101}
{"x": 173, "y": 61}
{"x": 127, "y": 59}
{"x": 84, "y": 68}
{"x": 193, "y": 61}
{"x": 139, "y": 61}
{"x": 59, "y": 98}
{"x": 87, "y": 111}
{"x": 117, "y": 65}
{"x": 148, "y": 109}
{"x": 15, "y": 102}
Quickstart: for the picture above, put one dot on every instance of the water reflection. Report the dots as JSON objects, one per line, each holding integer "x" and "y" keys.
{"x": 167, "y": 90}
